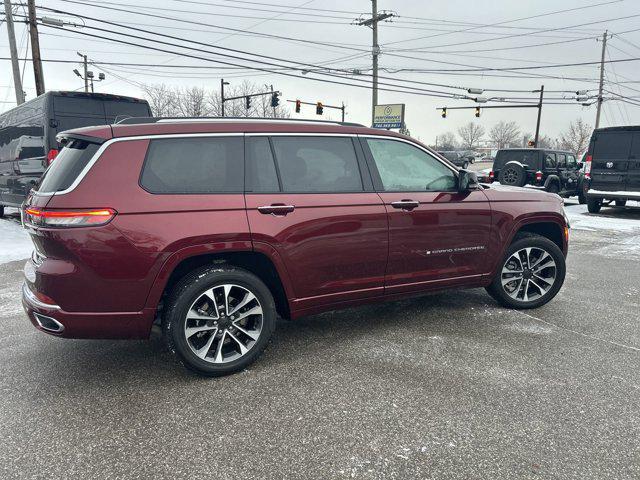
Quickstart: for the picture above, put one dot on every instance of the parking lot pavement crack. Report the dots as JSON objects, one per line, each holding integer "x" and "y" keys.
{"x": 603, "y": 340}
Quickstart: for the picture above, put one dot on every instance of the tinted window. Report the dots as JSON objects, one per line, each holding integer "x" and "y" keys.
{"x": 317, "y": 164}
{"x": 261, "y": 169}
{"x": 550, "y": 160}
{"x": 562, "y": 160}
{"x": 67, "y": 166}
{"x": 526, "y": 157}
{"x": 405, "y": 168}
{"x": 194, "y": 165}
{"x": 612, "y": 145}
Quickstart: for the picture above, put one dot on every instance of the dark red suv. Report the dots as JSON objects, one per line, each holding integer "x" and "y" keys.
{"x": 215, "y": 227}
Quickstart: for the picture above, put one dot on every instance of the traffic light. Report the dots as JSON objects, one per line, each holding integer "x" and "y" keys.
{"x": 531, "y": 143}
{"x": 247, "y": 101}
{"x": 444, "y": 112}
{"x": 477, "y": 111}
{"x": 298, "y": 104}
{"x": 319, "y": 108}
{"x": 275, "y": 101}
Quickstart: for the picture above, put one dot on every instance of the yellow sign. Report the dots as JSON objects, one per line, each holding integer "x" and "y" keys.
{"x": 388, "y": 116}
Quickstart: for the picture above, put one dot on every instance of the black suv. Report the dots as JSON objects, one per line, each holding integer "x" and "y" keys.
{"x": 458, "y": 159}
{"x": 613, "y": 167}
{"x": 555, "y": 171}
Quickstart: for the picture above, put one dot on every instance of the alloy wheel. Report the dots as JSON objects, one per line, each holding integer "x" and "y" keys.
{"x": 528, "y": 274}
{"x": 223, "y": 323}
{"x": 510, "y": 176}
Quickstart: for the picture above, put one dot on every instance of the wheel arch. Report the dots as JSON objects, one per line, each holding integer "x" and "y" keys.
{"x": 257, "y": 262}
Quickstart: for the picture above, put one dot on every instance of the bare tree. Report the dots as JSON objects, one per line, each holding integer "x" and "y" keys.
{"x": 161, "y": 99}
{"x": 505, "y": 134}
{"x": 191, "y": 102}
{"x": 576, "y": 138}
{"x": 470, "y": 135}
{"x": 446, "y": 141}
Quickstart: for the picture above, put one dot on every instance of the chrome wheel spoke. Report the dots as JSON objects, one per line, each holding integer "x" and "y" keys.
{"x": 223, "y": 323}
{"x": 526, "y": 267}
{"x": 511, "y": 279}
{"x": 202, "y": 352}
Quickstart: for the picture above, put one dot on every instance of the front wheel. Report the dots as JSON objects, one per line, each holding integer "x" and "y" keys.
{"x": 530, "y": 274}
{"x": 465, "y": 165}
{"x": 219, "y": 320}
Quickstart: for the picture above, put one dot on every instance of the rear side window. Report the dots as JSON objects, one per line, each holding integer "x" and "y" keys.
{"x": 612, "y": 145}
{"x": 317, "y": 164}
{"x": 194, "y": 165}
{"x": 526, "y": 157}
{"x": 66, "y": 167}
{"x": 261, "y": 168}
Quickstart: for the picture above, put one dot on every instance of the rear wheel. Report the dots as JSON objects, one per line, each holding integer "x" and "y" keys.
{"x": 530, "y": 274}
{"x": 594, "y": 204}
{"x": 582, "y": 194}
{"x": 552, "y": 187}
{"x": 621, "y": 203}
{"x": 219, "y": 320}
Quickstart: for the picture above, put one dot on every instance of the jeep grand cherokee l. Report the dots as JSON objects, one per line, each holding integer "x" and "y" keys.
{"x": 215, "y": 227}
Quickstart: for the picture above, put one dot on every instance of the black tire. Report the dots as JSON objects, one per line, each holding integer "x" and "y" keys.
{"x": 582, "y": 194}
{"x": 188, "y": 290}
{"x": 621, "y": 203}
{"x": 552, "y": 187}
{"x": 497, "y": 291}
{"x": 1, "y": 211}
{"x": 594, "y": 204}
{"x": 465, "y": 165}
{"x": 513, "y": 174}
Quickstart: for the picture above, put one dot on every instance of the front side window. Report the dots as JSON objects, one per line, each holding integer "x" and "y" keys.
{"x": 317, "y": 164}
{"x": 194, "y": 165}
{"x": 405, "y": 168}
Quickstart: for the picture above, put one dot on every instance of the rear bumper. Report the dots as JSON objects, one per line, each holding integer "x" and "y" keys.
{"x": 51, "y": 319}
{"x": 617, "y": 195}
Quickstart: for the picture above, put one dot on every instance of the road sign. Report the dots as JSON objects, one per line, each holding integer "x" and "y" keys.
{"x": 388, "y": 116}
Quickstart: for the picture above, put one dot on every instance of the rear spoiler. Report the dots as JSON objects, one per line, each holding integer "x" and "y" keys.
{"x": 64, "y": 137}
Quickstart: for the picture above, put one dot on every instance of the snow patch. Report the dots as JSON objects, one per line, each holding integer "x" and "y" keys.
{"x": 617, "y": 220}
{"x": 15, "y": 243}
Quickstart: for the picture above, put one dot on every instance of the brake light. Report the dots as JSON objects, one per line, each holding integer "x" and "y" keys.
{"x": 68, "y": 218}
{"x": 587, "y": 166}
{"x": 53, "y": 153}
{"x": 538, "y": 176}
{"x": 492, "y": 176}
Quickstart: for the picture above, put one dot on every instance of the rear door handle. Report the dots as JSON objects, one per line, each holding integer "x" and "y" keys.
{"x": 405, "y": 204}
{"x": 276, "y": 209}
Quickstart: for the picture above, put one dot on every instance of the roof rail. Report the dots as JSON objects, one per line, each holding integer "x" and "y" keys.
{"x": 139, "y": 120}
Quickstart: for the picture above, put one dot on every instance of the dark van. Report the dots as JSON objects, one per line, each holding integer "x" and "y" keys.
{"x": 613, "y": 167}
{"x": 28, "y": 134}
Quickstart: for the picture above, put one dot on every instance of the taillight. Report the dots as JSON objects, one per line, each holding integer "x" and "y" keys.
{"x": 68, "y": 218}
{"x": 538, "y": 176}
{"x": 492, "y": 176}
{"x": 53, "y": 153}
{"x": 587, "y": 166}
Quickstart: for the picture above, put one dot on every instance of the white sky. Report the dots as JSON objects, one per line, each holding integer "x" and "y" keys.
{"x": 436, "y": 17}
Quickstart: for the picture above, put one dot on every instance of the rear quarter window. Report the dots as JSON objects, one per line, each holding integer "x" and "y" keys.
{"x": 194, "y": 165}
{"x": 67, "y": 166}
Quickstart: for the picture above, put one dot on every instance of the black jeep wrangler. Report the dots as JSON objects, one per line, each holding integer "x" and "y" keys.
{"x": 552, "y": 170}
{"x": 612, "y": 166}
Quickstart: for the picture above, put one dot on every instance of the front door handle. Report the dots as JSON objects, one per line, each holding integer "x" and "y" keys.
{"x": 276, "y": 209}
{"x": 405, "y": 204}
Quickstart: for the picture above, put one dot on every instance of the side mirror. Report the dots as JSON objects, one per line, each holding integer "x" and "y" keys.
{"x": 467, "y": 180}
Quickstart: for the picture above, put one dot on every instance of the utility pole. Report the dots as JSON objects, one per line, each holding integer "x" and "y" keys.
{"x": 375, "y": 48}
{"x": 86, "y": 77}
{"x": 222, "y": 99}
{"x": 599, "y": 106}
{"x": 535, "y": 141}
{"x": 17, "y": 81}
{"x": 35, "y": 48}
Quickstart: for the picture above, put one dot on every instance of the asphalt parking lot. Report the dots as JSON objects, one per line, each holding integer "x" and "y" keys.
{"x": 445, "y": 386}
